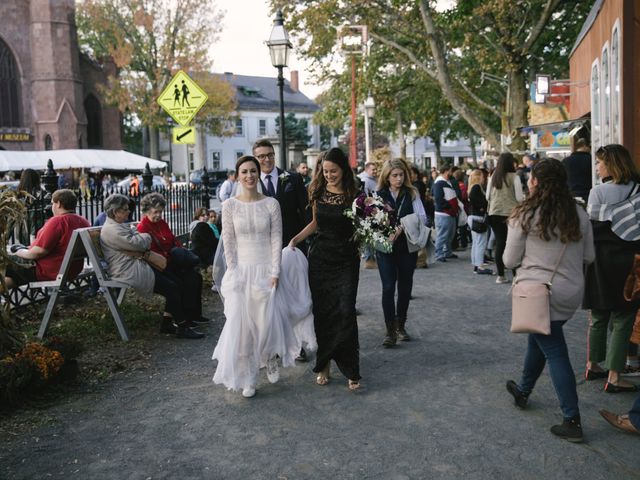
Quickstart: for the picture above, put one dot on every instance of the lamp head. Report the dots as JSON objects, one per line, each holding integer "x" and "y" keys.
{"x": 278, "y": 43}
{"x": 370, "y": 106}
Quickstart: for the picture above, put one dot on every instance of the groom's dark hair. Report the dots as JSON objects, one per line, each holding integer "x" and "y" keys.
{"x": 261, "y": 143}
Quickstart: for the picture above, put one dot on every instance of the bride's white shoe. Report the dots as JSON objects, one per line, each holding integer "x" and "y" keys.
{"x": 273, "y": 374}
{"x": 248, "y": 392}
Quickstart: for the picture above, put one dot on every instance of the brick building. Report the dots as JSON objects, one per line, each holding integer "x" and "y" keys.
{"x": 48, "y": 90}
{"x": 605, "y": 73}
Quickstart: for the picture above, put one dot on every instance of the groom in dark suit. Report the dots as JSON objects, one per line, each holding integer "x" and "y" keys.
{"x": 289, "y": 190}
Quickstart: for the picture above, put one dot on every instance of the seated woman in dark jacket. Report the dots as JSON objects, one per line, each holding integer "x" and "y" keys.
{"x": 203, "y": 239}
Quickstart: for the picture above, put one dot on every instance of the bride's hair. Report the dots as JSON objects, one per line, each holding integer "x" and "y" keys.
{"x": 245, "y": 159}
{"x": 318, "y": 185}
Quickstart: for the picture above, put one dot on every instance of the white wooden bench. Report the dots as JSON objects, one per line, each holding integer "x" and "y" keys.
{"x": 84, "y": 243}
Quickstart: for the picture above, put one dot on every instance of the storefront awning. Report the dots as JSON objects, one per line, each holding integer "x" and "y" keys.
{"x": 554, "y": 136}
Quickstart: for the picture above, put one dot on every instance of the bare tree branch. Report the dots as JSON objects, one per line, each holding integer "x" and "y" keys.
{"x": 406, "y": 51}
{"x": 478, "y": 100}
{"x": 540, "y": 25}
{"x": 493, "y": 44}
{"x": 444, "y": 79}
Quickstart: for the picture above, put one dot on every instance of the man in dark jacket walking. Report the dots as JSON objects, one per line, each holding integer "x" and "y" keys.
{"x": 578, "y": 166}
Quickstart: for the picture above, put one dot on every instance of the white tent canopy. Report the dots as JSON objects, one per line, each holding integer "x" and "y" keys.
{"x": 88, "y": 159}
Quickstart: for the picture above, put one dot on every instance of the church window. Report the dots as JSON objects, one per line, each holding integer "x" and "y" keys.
{"x": 93, "y": 110}
{"x": 9, "y": 88}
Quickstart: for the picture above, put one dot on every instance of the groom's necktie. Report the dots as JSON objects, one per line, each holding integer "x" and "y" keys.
{"x": 270, "y": 190}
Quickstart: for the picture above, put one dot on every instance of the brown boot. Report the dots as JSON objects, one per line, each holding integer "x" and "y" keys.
{"x": 403, "y": 336}
{"x": 391, "y": 337}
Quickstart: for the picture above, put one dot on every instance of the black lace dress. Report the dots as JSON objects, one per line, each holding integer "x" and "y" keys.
{"x": 334, "y": 265}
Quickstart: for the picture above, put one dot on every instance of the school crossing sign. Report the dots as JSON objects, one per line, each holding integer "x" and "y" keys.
{"x": 182, "y": 98}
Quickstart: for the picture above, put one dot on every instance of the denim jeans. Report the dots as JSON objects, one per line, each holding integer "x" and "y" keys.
{"x": 478, "y": 242}
{"x": 396, "y": 268}
{"x": 553, "y": 349}
{"x": 445, "y": 230}
{"x": 368, "y": 252}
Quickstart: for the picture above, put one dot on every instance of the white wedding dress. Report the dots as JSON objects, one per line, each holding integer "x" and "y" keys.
{"x": 257, "y": 328}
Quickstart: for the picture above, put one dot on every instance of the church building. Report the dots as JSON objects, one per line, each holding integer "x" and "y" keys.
{"x": 49, "y": 95}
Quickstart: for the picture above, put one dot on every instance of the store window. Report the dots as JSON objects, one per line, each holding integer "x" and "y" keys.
{"x": 615, "y": 85}
{"x": 605, "y": 91}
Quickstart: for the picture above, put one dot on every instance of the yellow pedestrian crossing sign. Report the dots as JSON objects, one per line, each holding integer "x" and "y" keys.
{"x": 182, "y": 98}
{"x": 184, "y": 135}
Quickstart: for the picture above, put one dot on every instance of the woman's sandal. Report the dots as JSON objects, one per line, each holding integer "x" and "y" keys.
{"x": 353, "y": 385}
{"x": 323, "y": 375}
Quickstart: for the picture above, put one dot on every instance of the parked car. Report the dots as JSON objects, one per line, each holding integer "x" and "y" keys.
{"x": 216, "y": 178}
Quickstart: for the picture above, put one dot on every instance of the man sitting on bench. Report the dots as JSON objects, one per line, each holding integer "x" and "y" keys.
{"x": 50, "y": 244}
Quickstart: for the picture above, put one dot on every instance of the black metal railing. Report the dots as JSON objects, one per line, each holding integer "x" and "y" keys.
{"x": 182, "y": 201}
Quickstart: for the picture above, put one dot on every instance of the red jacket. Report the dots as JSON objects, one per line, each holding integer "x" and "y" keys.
{"x": 162, "y": 238}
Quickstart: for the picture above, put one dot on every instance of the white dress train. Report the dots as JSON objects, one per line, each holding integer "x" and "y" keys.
{"x": 255, "y": 330}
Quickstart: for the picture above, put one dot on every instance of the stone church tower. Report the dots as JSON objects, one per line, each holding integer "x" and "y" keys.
{"x": 49, "y": 91}
{"x": 56, "y": 83}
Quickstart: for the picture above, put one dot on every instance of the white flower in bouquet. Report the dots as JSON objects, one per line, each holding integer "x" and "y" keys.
{"x": 374, "y": 221}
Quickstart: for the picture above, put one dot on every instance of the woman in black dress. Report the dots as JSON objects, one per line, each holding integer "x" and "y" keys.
{"x": 334, "y": 265}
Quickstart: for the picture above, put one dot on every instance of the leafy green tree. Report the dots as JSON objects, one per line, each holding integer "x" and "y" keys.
{"x": 132, "y": 134}
{"x": 506, "y": 38}
{"x": 150, "y": 40}
{"x": 295, "y": 129}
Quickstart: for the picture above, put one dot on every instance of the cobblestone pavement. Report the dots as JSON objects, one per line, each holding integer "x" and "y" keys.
{"x": 432, "y": 408}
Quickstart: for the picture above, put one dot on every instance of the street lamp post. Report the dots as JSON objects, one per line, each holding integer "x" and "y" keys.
{"x": 369, "y": 112}
{"x": 413, "y": 129}
{"x": 279, "y": 47}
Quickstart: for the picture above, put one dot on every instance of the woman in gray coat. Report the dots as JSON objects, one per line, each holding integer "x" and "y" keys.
{"x": 549, "y": 228}
{"x": 120, "y": 244}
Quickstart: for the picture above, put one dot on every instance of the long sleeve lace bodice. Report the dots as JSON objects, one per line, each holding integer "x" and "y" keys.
{"x": 252, "y": 233}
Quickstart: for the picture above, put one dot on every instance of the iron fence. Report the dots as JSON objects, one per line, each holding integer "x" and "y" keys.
{"x": 182, "y": 201}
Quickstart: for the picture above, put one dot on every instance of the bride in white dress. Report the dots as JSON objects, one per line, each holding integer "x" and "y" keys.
{"x": 256, "y": 333}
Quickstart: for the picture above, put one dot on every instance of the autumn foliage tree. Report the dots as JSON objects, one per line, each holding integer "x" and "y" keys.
{"x": 149, "y": 41}
{"x": 509, "y": 39}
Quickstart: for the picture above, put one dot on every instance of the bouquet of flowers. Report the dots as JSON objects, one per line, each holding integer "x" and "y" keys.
{"x": 374, "y": 221}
